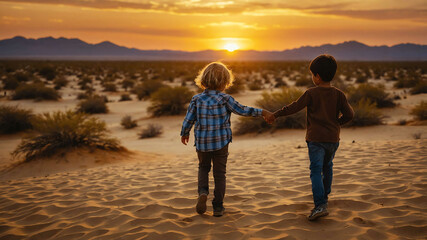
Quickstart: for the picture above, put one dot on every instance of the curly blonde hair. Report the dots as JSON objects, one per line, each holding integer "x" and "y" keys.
{"x": 215, "y": 76}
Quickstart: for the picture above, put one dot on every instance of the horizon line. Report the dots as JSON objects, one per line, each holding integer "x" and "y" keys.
{"x": 223, "y": 50}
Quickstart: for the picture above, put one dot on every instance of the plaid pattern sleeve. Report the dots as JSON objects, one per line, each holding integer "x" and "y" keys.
{"x": 189, "y": 119}
{"x": 241, "y": 110}
{"x": 210, "y": 114}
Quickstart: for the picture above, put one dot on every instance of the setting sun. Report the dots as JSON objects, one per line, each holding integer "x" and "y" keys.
{"x": 231, "y": 47}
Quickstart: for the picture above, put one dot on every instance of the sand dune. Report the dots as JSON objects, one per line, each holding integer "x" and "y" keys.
{"x": 379, "y": 192}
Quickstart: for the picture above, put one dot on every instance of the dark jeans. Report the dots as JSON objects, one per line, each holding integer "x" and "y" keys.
{"x": 219, "y": 160}
{"x": 321, "y": 155}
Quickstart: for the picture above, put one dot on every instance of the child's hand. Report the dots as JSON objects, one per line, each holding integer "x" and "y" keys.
{"x": 268, "y": 116}
{"x": 184, "y": 139}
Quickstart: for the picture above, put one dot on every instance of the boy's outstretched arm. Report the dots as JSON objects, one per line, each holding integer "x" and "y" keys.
{"x": 294, "y": 107}
{"x": 188, "y": 123}
{"x": 239, "y": 109}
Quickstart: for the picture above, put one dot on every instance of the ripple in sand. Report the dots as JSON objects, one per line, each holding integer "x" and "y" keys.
{"x": 350, "y": 205}
{"x": 364, "y": 223}
{"x": 45, "y": 235}
{"x": 411, "y": 231}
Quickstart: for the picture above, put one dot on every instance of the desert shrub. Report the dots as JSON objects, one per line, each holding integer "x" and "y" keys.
{"x": 170, "y": 101}
{"x": 14, "y": 119}
{"x": 63, "y": 130}
{"x": 420, "y": 87}
{"x": 21, "y": 77}
{"x": 238, "y": 86}
{"x": 366, "y": 114}
{"x": 147, "y": 88}
{"x": 128, "y": 123}
{"x": 405, "y": 82}
{"x": 85, "y": 83}
{"x": 85, "y": 80}
{"x": 128, "y": 83}
{"x": 152, "y": 130}
{"x": 60, "y": 82}
{"x": 48, "y": 72}
{"x": 93, "y": 104}
{"x": 83, "y": 95}
{"x": 280, "y": 82}
{"x": 375, "y": 93}
{"x": 361, "y": 79}
{"x": 255, "y": 85}
{"x": 273, "y": 102}
{"x": 125, "y": 97}
{"x": 420, "y": 111}
{"x": 110, "y": 87}
{"x": 35, "y": 91}
{"x": 304, "y": 81}
{"x": 10, "y": 83}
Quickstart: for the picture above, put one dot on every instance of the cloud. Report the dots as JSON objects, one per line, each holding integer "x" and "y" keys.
{"x": 378, "y": 14}
{"x": 232, "y": 24}
{"x": 14, "y": 20}
{"x": 352, "y": 9}
{"x": 56, "y": 20}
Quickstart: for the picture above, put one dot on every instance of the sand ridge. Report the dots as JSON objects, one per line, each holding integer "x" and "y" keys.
{"x": 379, "y": 192}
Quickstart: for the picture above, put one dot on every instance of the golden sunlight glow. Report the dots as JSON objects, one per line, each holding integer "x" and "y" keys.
{"x": 231, "y": 47}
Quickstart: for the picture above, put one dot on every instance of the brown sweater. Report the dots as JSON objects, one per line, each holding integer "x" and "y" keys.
{"x": 324, "y": 105}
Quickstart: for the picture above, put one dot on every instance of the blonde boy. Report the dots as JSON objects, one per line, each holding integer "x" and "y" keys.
{"x": 210, "y": 111}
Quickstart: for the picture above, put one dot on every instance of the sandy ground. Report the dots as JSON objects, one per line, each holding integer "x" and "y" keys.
{"x": 379, "y": 192}
{"x": 379, "y": 189}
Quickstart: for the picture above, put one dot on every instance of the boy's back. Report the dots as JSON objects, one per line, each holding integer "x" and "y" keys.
{"x": 324, "y": 105}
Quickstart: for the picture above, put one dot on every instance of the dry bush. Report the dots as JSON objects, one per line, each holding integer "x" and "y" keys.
{"x": 152, "y": 130}
{"x": 92, "y": 105}
{"x": 10, "y": 83}
{"x": 60, "y": 82}
{"x": 366, "y": 114}
{"x": 128, "y": 83}
{"x": 273, "y": 102}
{"x": 420, "y": 87}
{"x": 128, "y": 123}
{"x": 13, "y": 119}
{"x": 110, "y": 87}
{"x": 64, "y": 130}
{"x": 420, "y": 111}
{"x": 48, "y": 72}
{"x": 125, "y": 97}
{"x": 405, "y": 82}
{"x": 170, "y": 101}
{"x": 375, "y": 93}
{"x": 255, "y": 85}
{"x": 35, "y": 91}
{"x": 238, "y": 86}
{"x": 280, "y": 82}
{"x": 304, "y": 81}
{"x": 147, "y": 88}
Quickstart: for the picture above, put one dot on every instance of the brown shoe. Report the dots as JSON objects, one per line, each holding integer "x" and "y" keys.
{"x": 201, "y": 203}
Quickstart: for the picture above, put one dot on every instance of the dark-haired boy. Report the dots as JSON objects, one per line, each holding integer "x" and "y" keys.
{"x": 324, "y": 104}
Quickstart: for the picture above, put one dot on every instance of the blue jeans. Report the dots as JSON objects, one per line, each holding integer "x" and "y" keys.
{"x": 321, "y": 155}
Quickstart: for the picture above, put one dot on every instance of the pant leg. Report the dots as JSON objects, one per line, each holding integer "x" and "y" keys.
{"x": 219, "y": 170}
{"x": 205, "y": 159}
{"x": 316, "y": 154}
{"x": 331, "y": 148}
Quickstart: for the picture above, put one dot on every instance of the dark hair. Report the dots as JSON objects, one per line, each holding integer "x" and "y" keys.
{"x": 324, "y": 65}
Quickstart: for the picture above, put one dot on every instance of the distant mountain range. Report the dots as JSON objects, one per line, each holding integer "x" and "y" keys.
{"x": 76, "y": 49}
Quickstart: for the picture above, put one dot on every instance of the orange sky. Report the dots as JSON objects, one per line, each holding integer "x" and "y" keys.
{"x": 196, "y": 25}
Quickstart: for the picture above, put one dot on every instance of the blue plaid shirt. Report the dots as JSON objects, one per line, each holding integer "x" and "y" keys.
{"x": 211, "y": 111}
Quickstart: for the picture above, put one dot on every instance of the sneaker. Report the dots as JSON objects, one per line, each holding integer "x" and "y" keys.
{"x": 218, "y": 211}
{"x": 318, "y": 212}
{"x": 201, "y": 203}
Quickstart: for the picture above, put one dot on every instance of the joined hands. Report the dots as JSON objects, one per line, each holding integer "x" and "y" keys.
{"x": 268, "y": 116}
